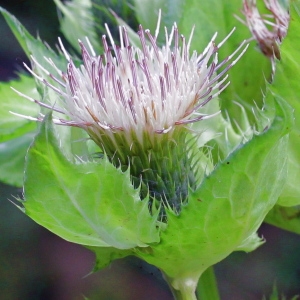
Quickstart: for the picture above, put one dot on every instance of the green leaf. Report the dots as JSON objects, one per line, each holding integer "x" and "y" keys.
{"x": 287, "y": 218}
{"x": 147, "y": 12}
{"x": 77, "y": 23}
{"x": 228, "y": 207}
{"x": 16, "y": 133}
{"x": 12, "y": 126}
{"x": 104, "y": 256}
{"x": 90, "y": 203}
{"x": 286, "y": 84}
{"x": 12, "y": 159}
{"x": 251, "y": 243}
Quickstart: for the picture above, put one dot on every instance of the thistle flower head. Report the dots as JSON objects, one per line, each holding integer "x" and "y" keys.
{"x": 149, "y": 89}
{"x": 136, "y": 103}
{"x": 281, "y": 18}
{"x": 267, "y": 32}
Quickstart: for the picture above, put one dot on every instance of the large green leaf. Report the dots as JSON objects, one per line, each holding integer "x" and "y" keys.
{"x": 78, "y": 22}
{"x": 147, "y": 13}
{"x": 287, "y": 218}
{"x": 12, "y": 159}
{"x": 287, "y": 85}
{"x": 229, "y": 206}
{"x": 90, "y": 203}
{"x": 104, "y": 256}
{"x": 12, "y": 126}
{"x": 16, "y": 133}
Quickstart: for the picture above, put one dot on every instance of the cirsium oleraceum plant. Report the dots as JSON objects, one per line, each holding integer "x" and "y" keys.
{"x": 136, "y": 105}
{"x": 155, "y": 190}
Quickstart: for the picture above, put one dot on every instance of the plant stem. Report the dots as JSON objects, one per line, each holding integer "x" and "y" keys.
{"x": 185, "y": 289}
{"x": 207, "y": 287}
{"x": 183, "y": 294}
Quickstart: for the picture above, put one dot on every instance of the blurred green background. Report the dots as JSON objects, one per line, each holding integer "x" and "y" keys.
{"x": 35, "y": 264}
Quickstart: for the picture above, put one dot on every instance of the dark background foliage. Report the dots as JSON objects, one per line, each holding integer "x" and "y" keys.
{"x": 35, "y": 264}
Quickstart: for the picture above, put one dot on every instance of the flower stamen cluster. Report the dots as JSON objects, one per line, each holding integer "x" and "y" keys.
{"x": 149, "y": 89}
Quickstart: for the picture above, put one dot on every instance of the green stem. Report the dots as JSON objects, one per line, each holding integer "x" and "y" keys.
{"x": 185, "y": 289}
{"x": 207, "y": 287}
{"x": 183, "y": 294}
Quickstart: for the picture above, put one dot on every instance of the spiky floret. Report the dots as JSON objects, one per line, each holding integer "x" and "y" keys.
{"x": 268, "y": 30}
{"x": 137, "y": 104}
{"x": 281, "y": 18}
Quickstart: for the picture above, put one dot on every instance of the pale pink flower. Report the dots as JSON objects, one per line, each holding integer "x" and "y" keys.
{"x": 281, "y": 17}
{"x": 148, "y": 89}
{"x": 269, "y": 30}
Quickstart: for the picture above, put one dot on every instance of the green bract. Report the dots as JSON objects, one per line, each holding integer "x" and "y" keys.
{"x": 90, "y": 203}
